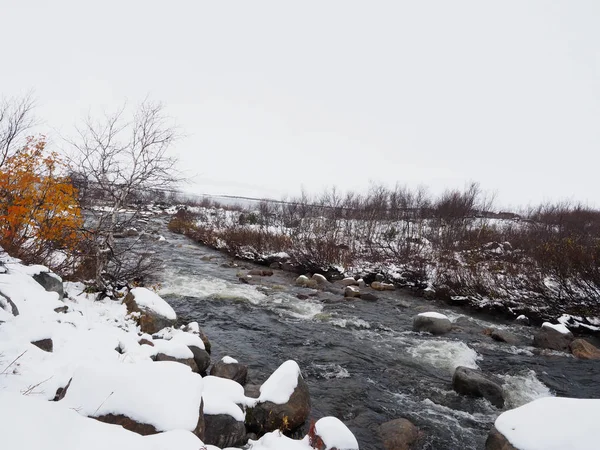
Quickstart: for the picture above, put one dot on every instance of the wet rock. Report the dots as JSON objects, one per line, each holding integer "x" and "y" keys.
{"x": 497, "y": 441}
{"x": 260, "y": 272}
{"x": 304, "y": 281}
{"x": 368, "y": 297}
{"x": 230, "y": 370}
{"x": 582, "y": 349}
{"x": 504, "y": 336}
{"x": 351, "y": 292}
{"x": 201, "y": 358}
{"x": 186, "y": 361}
{"x": 302, "y": 296}
{"x": 7, "y": 304}
{"x": 44, "y": 344}
{"x": 473, "y": 382}
{"x": 269, "y": 416}
{"x": 429, "y": 293}
{"x": 381, "y": 286}
{"x": 433, "y": 323}
{"x": 320, "y": 279}
{"x": 522, "y": 320}
{"x": 51, "y": 282}
{"x": 149, "y": 320}
{"x": 223, "y": 431}
{"x": 398, "y": 434}
{"x": 349, "y": 281}
{"x": 252, "y": 390}
{"x": 550, "y": 338}
{"x": 275, "y": 265}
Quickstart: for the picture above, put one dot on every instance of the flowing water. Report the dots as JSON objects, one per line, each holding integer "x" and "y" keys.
{"x": 361, "y": 360}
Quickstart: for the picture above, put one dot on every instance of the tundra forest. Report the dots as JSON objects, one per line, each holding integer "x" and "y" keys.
{"x": 135, "y": 315}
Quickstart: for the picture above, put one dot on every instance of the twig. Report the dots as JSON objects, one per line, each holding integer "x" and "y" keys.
{"x": 13, "y": 361}
{"x": 104, "y": 401}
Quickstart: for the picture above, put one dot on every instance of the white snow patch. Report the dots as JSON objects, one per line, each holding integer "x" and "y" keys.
{"x": 335, "y": 434}
{"x": 556, "y": 327}
{"x": 146, "y": 299}
{"x": 434, "y": 315}
{"x": 280, "y": 386}
{"x": 222, "y": 396}
{"x": 228, "y": 360}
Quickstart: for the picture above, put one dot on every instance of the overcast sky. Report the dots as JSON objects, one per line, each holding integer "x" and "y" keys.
{"x": 278, "y": 95}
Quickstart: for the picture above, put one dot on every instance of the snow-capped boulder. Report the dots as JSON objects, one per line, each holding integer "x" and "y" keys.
{"x": 522, "y": 320}
{"x": 194, "y": 328}
{"x": 331, "y": 433}
{"x": 51, "y": 282}
{"x": 381, "y": 286}
{"x": 582, "y": 349}
{"x": 351, "y": 292}
{"x": 553, "y": 337}
{"x": 284, "y": 401}
{"x": 168, "y": 350}
{"x": 475, "y": 383}
{"x": 398, "y": 434}
{"x": 432, "y": 322}
{"x": 349, "y": 281}
{"x": 151, "y": 312}
{"x": 145, "y": 397}
{"x": 320, "y": 279}
{"x": 304, "y": 281}
{"x": 231, "y": 369}
{"x": 548, "y": 423}
{"x": 192, "y": 341}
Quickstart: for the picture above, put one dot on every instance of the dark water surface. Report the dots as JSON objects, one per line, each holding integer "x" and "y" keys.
{"x": 362, "y": 362}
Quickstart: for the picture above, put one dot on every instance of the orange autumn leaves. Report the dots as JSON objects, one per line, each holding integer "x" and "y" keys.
{"x": 39, "y": 212}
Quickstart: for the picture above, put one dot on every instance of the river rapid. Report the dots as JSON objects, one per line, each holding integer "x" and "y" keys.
{"x": 361, "y": 360}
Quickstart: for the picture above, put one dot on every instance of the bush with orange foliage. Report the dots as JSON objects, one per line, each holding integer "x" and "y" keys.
{"x": 39, "y": 213}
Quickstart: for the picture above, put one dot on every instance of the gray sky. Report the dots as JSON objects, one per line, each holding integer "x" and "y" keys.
{"x": 277, "y": 95}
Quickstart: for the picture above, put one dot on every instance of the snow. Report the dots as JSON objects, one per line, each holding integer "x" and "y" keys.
{"x": 277, "y": 441}
{"x": 180, "y": 337}
{"x": 146, "y": 299}
{"x": 228, "y": 360}
{"x": 335, "y": 434}
{"x": 164, "y": 394}
{"x": 29, "y": 423}
{"x": 556, "y": 327}
{"x": 171, "y": 348}
{"x": 434, "y": 315}
{"x": 552, "y": 423}
{"x": 222, "y": 396}
{"x": 280, "y": 386}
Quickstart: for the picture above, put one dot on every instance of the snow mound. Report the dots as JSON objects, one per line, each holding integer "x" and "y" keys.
{"x": 556, "y": 327}
{"x": 222, "y": 396}
{"x": 146, "y": 299}
{"x": 552, "y": 423}
{"x": 277, "y": 441}
{"x": 60, "y": 428}
{"x": 166, "y": 395}
{"x": 335, "y": 434}
{"x": 280, "y": 386}
{"x": 434, "y": 315}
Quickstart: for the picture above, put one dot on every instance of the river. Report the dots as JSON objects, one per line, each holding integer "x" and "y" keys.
{"x": 361, "y": 360}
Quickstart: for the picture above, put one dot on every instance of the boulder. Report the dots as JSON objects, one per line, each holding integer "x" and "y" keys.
{"x": 231, "y": 369}
{"x": 351, "y": 292}
{"x": 201, "y": 358}
{"x": 51, "y": 282}
{"x": 150, "y": 311}
{"x": 497, "y": 441}
{"x": 582, "y": 349}
{"x": 398, "y": 434}
{"x": 194, "y": 328}
{"x": 368, "y": 297}
{"x": 432, "y": 322}
{"x": 44, "y": 344}
{"x": 275, "y": 409}
{"x": 260, "y": 272}
{"x": 553, "y": 337}
{"x": 187, "y": 361}
{"x": 223, "y": 431}
{"x": 429, "y": 293}
{"x": 275, "y": 265}
{"x": 504, "y": 336}
{"x": 349, "y": 281}
{"x": 331, "y": 433}
{"x": 381, "y": 286}
{"x": 320, "y": 279}
{"x": 304, "y": 281}
{"x": 522, "y": 320}
{"x": 473, "y": 382}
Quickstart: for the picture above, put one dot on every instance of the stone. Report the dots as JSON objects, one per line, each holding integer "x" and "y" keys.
{"x": 61, "y": 309}
{"x": 302, "y": 296}
{"x": 497, "y": 441}
{"x": 190, "y": 362}
{"x": 51, "y": 282}
{"x": 349, "y": 281}
{"x": 351, "y": 292}
{"x": 201, "y": 358}
{"x": 504, "y": 336}
{"x": 150, "y": 321}
{"x": 475, "y": 383}
{"x": 429, "y": 293}
{"x": 552, "y": 339}
{"x": 6, "y": 304}
{"x": 267, "y": 416}
{"x": 233, "y": 371}
{"x": 433, "y": 325}
{"x": 381, "y": 286}
{"x": 44, "y": 344}
{"x": 522, "y": 320}
{"x": 582, "y": 349}
{"x": 260, "y": 272}
{"x": 368, "y": 297}
{"x": 398, "y": 434}
{"x": 320, "y": 279}
{"x": 275, "y": 265}
{"x": 223, "y": 431}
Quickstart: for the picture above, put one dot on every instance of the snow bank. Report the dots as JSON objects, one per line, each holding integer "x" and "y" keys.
{"x": 335, "y": 434}
{"x": 29, "y": 423}
{"x": 146, "y": 299}
{"x": 280, "y": 386}
{"x": 165, "y": 394}
{"x": 556, "y": 327}
{"x": 552, "y": 423}
{"x": 222, "y": 396}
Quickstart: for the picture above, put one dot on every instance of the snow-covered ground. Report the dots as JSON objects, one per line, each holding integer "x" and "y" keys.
{"x": 91, "y": 357}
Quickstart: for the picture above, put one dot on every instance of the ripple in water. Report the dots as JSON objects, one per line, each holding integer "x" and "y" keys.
{"x": 523, "y": 388}
{"x": 447, "y": 355}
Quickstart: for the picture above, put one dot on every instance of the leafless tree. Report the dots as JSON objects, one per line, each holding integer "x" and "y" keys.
{"x": 16, "y": 117}
{"x": 118, "y": 157}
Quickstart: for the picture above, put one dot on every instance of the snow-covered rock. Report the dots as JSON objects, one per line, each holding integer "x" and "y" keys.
{"x": 320, "y": 279}
{"x": 330, "y": 432}
{"x": 349, "y": 281}
{"x": 230, "y": 368}
{"x": 150, "y": 310}
{"x": 553, "y": 337}
{"x": 351, "y": 292}
{"x": 432, "y": 322}
{"x": 550, "y": 423}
